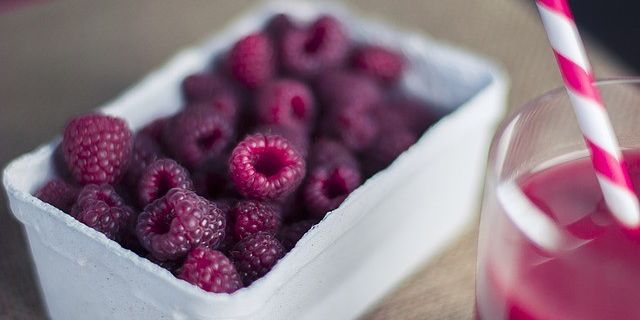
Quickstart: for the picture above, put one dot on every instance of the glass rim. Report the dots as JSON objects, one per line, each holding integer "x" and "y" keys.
{"x": 533, "y": 103}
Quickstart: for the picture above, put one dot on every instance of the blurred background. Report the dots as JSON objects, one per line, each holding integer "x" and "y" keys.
{"x": 65, "y": 57}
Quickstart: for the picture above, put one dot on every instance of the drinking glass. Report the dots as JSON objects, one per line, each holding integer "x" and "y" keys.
{"x": 569, "y": 259}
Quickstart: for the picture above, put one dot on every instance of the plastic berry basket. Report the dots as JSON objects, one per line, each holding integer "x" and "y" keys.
{"x": 389, "y": 226}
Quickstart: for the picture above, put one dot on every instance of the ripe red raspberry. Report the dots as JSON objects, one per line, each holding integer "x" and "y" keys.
{"x": 254, "y": 256}
{"x": 159, "y": 177}
{"x": 252, "y": 60}
{"x": 252, "y": 216}
{"x": 58, "y": 193}
{"x": 324, "y": 45}
{"x": 339, "y": 89}
{"x": 97, "y": 148}
{"x": 266, "y": 167}
{"x": 379, "y": 62}
{"x": 297, "y": 136}
{"x": 285, "y": 102}
{"x": 290, "y": 234}
{"x": 178, "y": 222}
{"x": 353, "y": 127}
{"x": 145, "y": 151}
{"x": 101, "y": 208}
{"x": 197, "y": 134}
{"x": 211, "y": 180}
{"x": 328, "y": 186}
{"x": 155, "y": 129}
{"x": 210, "y": 270}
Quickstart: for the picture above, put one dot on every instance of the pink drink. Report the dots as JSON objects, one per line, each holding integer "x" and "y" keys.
{"x": 599, "y": 279}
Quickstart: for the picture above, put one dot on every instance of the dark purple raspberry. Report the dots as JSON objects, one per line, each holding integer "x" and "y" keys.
{"x": 252, "y": 60}
{"x": 211, "y": 90}
{"x": 266, "y": 167}
{"x": 379, "y": 62}
{"x": 339, "y": 89}
{"x": 285, "y": 102}
{"x": 172, "y": 266}
{"x": 252, "y": 216}
{"x": 211, "y": 180}
{"x": 178, "y": 222}
{"x": 210, "y": 270}
{"x": 155, "y": 129}
{"x": 254, "y": 256}
{"x": 324, "y": 45}
{"x": 353, "y": 127}
{"x": 278, "y": 25}
{"x": 298, "y": 137}
{"x": 290, "y": 234}
{"x": 228, "y": 207}
{"x": 145, "y": 151}
{"x": 101, "y": 208}
{"x": 387, "y": 148}
{"x": 418, "y": 115}
{"x": 159, "y": 177}
{"x": 58, "y": 193}
{"x": 329, "y": 152}
{"x": 328, "y": 186}
{"x": 196, "y": 135}
{"x": 97, "y": 148}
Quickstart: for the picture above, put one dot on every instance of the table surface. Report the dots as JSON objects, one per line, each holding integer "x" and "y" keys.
{"x": 66, "y": 57}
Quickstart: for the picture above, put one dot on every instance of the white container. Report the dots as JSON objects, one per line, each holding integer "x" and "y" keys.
{"x": 389, "y": 226}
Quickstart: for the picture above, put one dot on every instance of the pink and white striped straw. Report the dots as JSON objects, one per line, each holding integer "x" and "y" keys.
{"x": 593, "y": 119}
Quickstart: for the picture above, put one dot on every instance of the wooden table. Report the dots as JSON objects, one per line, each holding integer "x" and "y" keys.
{"x": 65, "y": 57}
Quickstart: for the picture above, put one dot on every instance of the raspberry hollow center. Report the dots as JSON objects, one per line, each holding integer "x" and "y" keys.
{"x": 165, "y": 184}
{"x": 298, "y": 107}
{"x": 208, "y": 141}
{"x": 270, "y": 162}
{"x": 335, "y": 186}
{"x": 315, "y": 42}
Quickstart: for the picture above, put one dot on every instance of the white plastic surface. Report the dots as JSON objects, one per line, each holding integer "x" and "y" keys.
{"x": 389, "y": 226}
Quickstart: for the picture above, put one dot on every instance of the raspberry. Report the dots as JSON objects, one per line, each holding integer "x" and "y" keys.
{"x": 255, "y": 255}
{"x": 290, "y": 234}
{"x": 417, "y": 114}
{"x": 353, "y": 127}
{"x": 253, "y": 216}
{"x": 101, "y": 208}
{"x": 285, "y": 102}
{"x": 328, "y": 186}
{"x": 252, "y": 60}
{"x": 379, "y": 62}
{"x": 266, "y": 167}
{"x": 388, "y": 147}
{"x": 298, "y": 137}
{"x": 278, "y": 25}
{"x": 145, "y": 151}
{"x": 97, "y": 148}
{"x": 211, "y": 180}
{"x": 58, "y": 193}
{"x": 159, "y": 177}
{"x": 210, "y": 270}
{"x": 155, "y": 129}
{"x": 207, "y": 89}
{"x": 196, "y": 135}
{"x": 329, "y": 152}
{"x": 339, "y": 89}
{"x": 178, "y": 222}
{"x": 172, "y": 266}
{"x": 324, "y": 45}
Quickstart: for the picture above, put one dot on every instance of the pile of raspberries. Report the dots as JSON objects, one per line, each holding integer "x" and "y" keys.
{"x": 278, "y": 132}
